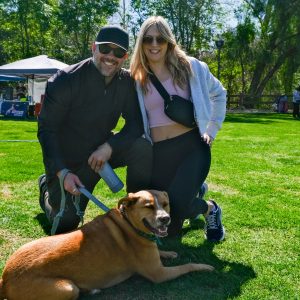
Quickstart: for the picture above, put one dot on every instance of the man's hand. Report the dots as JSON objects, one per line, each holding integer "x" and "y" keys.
{"x": 100, "y": 156}
{"x": 71, "y": 183}
{"x": 208, "y": 139}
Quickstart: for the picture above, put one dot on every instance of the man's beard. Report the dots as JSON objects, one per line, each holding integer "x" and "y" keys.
{"x": 100, "y": 65}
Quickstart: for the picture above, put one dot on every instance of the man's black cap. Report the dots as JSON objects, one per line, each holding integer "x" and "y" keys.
{"x": 113, "y": 34}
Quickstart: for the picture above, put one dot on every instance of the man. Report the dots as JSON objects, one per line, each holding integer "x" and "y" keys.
{"x": 82, "y": 106}
{"x": 296, "y": 103}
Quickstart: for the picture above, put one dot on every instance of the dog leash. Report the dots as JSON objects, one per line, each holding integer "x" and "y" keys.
{"x": 79, "y": 212}
{"x": 59, "y": 215}
{"x": 86, "y": 193}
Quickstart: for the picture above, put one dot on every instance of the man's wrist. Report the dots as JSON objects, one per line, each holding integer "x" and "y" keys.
{"x": 107, "y": 148}
{"x": 62, "y": 173}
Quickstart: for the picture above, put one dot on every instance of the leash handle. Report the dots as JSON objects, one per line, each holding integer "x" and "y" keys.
{"x": 86, "y": 193}
{"x": 60, "y": 214}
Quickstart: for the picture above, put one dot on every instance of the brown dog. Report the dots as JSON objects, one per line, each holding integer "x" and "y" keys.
{"x": 102, "y": 253}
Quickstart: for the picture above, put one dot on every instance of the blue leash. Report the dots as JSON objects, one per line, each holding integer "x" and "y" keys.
{"x": 86, "y": 193}
{"x": 79, "y": 212}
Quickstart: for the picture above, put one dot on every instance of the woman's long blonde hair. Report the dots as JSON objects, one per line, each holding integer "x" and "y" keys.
{"x": 176, "y": 60}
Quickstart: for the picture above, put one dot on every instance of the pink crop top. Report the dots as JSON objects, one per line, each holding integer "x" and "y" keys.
{"x": 154, "y": 103}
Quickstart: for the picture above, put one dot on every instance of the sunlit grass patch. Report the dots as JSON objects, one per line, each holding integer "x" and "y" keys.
{"x": 254, "y": 177}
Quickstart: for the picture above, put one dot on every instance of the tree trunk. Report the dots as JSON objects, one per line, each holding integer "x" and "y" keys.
{"x": 280, "y": 61}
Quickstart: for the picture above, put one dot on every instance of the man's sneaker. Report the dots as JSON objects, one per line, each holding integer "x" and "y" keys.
{"x": 42, "y": 188}
{"x": 214, "y": 230}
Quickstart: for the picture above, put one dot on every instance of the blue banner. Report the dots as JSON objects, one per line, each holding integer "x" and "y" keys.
{"x": 14, "y": 109}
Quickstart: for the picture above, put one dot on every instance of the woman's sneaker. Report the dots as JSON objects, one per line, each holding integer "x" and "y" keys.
{"x": 214, "y": 230}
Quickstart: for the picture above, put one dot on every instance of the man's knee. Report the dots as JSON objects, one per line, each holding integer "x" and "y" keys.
{"x": 141, "y": 147}
{"x": 140, "y": 155}
{"x": 139, "y": 165}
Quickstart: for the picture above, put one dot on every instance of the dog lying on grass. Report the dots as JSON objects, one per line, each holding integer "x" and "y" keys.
{"x": 102, "y": 253}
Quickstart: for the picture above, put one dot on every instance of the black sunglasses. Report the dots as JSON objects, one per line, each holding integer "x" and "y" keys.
{"x": 118, "y": 52}
{"x": 149, "y": 39}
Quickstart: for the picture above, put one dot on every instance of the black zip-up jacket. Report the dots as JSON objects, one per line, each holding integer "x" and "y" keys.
{"x": 79, "y": 113}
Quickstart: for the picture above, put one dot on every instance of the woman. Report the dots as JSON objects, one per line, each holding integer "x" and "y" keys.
{"x": 181, "y": 155}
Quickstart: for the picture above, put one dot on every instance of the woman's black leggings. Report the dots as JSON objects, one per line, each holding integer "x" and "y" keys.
{"x": 181, "y": 165}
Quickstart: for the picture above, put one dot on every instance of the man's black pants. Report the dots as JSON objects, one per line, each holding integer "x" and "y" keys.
{"x": 138, "y": 159}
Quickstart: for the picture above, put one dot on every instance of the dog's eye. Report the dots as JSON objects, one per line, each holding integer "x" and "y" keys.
{"x": 165, "y": 205}
{"x": 150, "y": 206}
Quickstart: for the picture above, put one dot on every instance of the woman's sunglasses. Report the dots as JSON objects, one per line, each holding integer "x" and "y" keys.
{"x": 148, "y": 39}
{"x": 117, "y": 52}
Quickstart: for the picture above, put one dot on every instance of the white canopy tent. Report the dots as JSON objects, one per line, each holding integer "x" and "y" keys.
{"x": 37, "y": 70}
{"x": 36, "y": 88}
{"x": 11, "y": 78}
{"x": 38, "y": 65}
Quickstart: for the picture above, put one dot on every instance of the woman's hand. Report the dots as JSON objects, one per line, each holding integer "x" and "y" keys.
{"x": 208, "y": 139}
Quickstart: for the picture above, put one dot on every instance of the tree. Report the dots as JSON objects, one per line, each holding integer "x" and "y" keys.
{"x": 191, "y": 20}
{"x": 79, "y": 21}
{"x": 60, "y": 28}
{"x": 24, "y": 26}
{"x": 237, "y": 57}
{"x": 278, "y": 41}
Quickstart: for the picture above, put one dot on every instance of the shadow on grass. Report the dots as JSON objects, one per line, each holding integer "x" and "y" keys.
{"x": 29, "y": 119}
{"x": 44, "y": 223}
{"x": 262, "y": 118}
{"x": 224, "y": 283}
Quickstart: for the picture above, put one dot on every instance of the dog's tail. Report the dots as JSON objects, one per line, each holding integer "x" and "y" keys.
{"x": 1, "y": 289}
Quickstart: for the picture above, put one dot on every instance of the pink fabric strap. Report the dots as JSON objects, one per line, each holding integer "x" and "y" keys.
{"x": 154, "y": 103}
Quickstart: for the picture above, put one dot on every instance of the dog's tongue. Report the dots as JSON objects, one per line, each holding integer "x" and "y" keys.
{"x": 159, "y": 231}
{"x": 162, "y": 231}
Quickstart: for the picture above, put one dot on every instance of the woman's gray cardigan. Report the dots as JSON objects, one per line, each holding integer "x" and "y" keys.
{"x": 208, "y": 96}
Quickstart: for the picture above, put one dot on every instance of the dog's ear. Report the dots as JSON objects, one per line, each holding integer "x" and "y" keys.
{"x": 162, "y": 194}
{"x": 165, "y": 194}
{"x": 129, "y": 200}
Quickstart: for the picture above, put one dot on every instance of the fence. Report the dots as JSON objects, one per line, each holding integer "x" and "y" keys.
{"x": 264, "y": 102}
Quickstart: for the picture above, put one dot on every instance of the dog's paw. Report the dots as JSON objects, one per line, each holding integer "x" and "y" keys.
{"x": 204, "y": 267}
{"x": 168, "y": 254}
{"x": 94, "y": 292}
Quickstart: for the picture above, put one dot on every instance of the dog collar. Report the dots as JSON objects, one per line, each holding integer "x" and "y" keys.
{"x": 149, "y": 236}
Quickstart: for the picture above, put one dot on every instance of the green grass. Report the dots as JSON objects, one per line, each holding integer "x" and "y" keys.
{"x": 254, "y": 176}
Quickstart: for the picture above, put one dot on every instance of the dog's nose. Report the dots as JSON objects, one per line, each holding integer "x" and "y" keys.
{"x": 164, "y": 220}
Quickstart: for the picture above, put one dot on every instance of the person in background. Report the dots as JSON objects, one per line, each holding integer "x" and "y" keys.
{"x": 283, "y": 104}
{"x": 182, "y": 155}
{"x": 82, "y": 106}
{"x": 21, "y": 91}
{"x": 296, "y": 103}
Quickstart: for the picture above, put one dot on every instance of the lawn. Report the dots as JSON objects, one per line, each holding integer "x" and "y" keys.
{"x": 254, "y": 176}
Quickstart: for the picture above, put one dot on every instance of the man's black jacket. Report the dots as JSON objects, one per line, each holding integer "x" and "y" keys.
{"x": 79, "y": 113}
